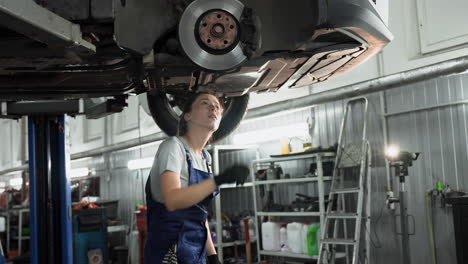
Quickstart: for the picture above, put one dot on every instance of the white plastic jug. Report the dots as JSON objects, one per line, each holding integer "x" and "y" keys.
{"x": 294, "y": 237}
{"x": 271, "y": 236}
{"x": 305, "y": 228}
{"x": 283, "y": 238}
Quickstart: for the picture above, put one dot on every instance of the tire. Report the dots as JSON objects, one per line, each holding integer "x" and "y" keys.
{"x": 166, "y": 109}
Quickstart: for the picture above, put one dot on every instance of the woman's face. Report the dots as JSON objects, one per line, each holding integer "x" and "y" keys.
{"x": 206, "y": 112}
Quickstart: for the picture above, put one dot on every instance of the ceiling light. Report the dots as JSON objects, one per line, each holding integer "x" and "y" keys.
{"x": 300, "y": 130}
{"x": 79, "y": 172}
{"x": 140, "y": 163}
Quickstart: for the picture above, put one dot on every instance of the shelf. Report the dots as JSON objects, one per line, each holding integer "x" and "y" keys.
{"x": 294, "y": 255}
{"x": 288, "y": 213}
{"x": 325, "y": 155}
{"x": 233, "y": 185}
{"x": 286, "y": 254}
{"x": 233, "y": 243}
{"x": 19, "y": 209}
{"x": 117, "y": 228}
{"x": 235, "y": 147}
{"x": 292, "y": 180}
{"x": 22, "y": 238}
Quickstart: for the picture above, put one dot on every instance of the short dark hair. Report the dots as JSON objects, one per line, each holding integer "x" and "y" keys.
{"x": 182, "y": 128}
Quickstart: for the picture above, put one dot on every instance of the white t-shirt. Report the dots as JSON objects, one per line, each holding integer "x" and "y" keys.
{"x": 171, "y": 156}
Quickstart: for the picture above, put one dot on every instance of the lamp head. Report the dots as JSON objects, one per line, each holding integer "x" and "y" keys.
{"x": 395, "y": 155}
{"x": 392, "y": 152}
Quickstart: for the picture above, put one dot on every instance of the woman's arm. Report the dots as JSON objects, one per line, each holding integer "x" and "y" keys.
{"x": 210, "y": 249}
{"x": 176, "y": 197}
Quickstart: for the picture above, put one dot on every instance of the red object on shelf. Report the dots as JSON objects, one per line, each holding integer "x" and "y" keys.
{"x": 141, "y": 226}
{"x": 141, "y": 221}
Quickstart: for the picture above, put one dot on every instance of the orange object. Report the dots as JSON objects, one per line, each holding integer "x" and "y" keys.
{"x": 12, "y": 253}
{"x": 3, "y": 200}
{"x": 248, "y": 248}
{"x": 84, "y": 205}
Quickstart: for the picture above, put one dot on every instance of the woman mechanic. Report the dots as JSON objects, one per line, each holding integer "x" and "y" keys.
{"x": 181, "y": 186}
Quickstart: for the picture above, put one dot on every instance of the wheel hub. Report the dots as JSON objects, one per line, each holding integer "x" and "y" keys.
{"x": 218, "y": 30}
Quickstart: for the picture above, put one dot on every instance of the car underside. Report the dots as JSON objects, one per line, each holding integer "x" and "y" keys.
{"x": 73, "y": 49}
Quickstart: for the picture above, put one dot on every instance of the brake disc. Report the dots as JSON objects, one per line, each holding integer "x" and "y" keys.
{"x": 209, "y": 33}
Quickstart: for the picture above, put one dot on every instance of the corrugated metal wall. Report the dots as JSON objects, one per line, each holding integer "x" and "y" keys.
{"x": 440, "y": 134}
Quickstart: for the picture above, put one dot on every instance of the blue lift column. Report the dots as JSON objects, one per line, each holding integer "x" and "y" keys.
{"x": 49, "y": 187}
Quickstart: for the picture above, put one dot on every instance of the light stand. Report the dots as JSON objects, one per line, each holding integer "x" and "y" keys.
{"x": 401, "y": 162}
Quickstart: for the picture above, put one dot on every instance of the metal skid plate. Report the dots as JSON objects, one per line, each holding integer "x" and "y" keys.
{"x": 189, "y": 42}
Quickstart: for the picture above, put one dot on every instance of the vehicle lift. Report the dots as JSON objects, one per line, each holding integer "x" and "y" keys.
{"x": 50, "y": 215}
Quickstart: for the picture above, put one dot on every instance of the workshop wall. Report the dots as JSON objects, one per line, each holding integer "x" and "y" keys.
{"x": 441, "y": 135}
{"x": 12, "y": 143}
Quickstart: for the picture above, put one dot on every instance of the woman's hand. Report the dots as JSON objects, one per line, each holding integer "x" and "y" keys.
{"x": 236, "y": 173}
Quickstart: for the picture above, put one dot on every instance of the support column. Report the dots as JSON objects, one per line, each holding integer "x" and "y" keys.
{"x": 50, "y": 199}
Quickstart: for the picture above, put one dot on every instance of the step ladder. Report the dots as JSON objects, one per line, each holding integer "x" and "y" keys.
{"x": 342, "y": 227}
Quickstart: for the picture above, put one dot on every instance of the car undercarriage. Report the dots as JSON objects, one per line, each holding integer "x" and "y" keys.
{"x": 76, "y": 50}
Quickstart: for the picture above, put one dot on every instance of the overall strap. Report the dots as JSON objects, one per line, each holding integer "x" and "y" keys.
{"x": 208, "y": 163}
{"x": 189, "y": 163}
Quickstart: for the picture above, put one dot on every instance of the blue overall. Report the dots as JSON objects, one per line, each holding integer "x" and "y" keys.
{"x": 185, "y": 227}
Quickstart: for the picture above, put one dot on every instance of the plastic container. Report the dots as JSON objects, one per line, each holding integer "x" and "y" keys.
{"x": 252, "y": 232}
{"x": 313, "y": 238}
{"x": 283, "y": 238}
{"x": 305, "y": 229}
{"x": 141, "y": 221}
{"x": 271, "y": 236}
{"x": 294, "y": 231}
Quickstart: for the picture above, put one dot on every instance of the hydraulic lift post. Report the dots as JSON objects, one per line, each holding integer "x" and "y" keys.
{"x": 51, "y": 239}
{"x": 49, "y": 189}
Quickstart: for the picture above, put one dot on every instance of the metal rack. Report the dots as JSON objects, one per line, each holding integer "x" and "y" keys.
{"x": 20, "y": 237}
{"x": 215, "y": 151}
{"x": 317, "y": 158}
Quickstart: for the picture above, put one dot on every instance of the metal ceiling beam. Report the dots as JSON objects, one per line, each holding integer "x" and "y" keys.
{"x": 120, "y": 146}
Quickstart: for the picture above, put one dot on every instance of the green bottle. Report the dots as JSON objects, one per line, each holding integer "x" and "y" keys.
{"x": 313, "y": 238}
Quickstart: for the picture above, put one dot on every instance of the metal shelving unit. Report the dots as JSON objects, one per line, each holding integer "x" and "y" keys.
{"x": 20, "y": 211}
{"x": 233, "y": 243}
{"x": 215, "y": 151}
{"x": 293, "y": 255}
{"x": 317, "y": 158}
